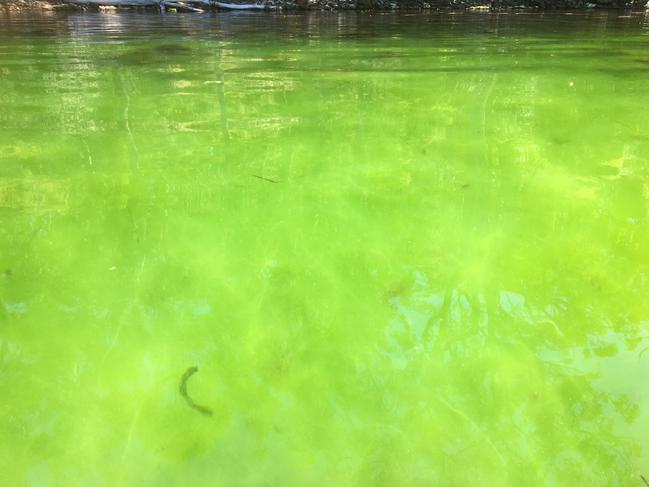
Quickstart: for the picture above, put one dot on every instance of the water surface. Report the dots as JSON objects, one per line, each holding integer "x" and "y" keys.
{"x": 399, "y": 249}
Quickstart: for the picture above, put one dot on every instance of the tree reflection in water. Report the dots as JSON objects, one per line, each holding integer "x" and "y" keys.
{"x": 510, "y": 387}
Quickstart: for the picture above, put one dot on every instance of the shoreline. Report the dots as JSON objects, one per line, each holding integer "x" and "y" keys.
{"x": 332, "y": 5}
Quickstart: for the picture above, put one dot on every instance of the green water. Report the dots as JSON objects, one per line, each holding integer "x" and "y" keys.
{"x": 401, "y": 250}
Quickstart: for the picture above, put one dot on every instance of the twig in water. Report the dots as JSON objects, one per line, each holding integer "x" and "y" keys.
{"x": 183, "y": 392}
{"x": 644, "y": 480}
{"x": 180, "y": 6}
{"x": 265, "y": 179}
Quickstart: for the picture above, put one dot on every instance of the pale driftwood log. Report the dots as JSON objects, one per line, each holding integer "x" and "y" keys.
{"x": 180, "y": 6}
{"x": 236, "y": 6}
{"x": 167, "y": 3}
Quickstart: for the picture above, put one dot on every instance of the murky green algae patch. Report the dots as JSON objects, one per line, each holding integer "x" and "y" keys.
{"x": 405, "y": 252}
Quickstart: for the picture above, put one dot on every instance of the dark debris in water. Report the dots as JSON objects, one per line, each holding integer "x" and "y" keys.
{"x": 265, "y": 179}
{"x": 183, "y": 392}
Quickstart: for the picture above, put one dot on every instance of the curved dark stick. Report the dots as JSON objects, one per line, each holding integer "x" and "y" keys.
{"x": 183, "y": 392}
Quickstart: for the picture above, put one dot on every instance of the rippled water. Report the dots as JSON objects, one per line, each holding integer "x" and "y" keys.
{"x": 399, "y": 249}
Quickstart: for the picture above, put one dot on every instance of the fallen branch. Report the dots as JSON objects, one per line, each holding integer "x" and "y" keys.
{"x": 181, "y": 6}
{"x": 116, "y": 3}
{"x": 168, "y": 4}
{"x": 230, "y": 6}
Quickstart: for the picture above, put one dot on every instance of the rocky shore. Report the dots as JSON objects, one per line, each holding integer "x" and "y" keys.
{"x": 478, "y": 5}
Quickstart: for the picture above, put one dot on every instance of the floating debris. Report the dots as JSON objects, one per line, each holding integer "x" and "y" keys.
{"x": 183, "y": 392}
{"x": 265, "y": 179}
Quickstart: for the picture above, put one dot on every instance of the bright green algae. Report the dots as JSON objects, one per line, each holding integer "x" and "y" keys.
{"x": 400, "y": 250}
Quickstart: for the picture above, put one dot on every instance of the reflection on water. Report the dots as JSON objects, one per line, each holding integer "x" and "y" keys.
{"x": 551, "y": 379}
{"x": 400, "y": 249}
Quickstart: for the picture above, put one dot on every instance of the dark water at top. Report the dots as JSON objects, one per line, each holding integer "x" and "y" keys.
{"x": 399, "y": 249}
